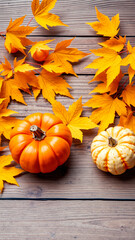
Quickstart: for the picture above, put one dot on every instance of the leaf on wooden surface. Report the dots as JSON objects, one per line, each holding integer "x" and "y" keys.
{"x": 52, "y": 84}
{"x": 6, "y": 69}
{"x": 7, "y": 122}
{"x": 72, "y": 118}
{"x": 59, "y": 60}
{"x": 16, "y": 35}
{"x": 21, "y": 66}
{"x": 42, "y": 45}
{"x": 109, "y": 60}
{"x": 128, "y": 120}
{"x": 114, "y": 44}
{"x": 105, "y": 26}
{"x": 7, "y": 173}
{"x": 43, "y": 18}
{"x": 102, "y": 87}
{"x": 128, "y": 95}
{"x": 106, "y": 108}
{"x": 130, "y": 60}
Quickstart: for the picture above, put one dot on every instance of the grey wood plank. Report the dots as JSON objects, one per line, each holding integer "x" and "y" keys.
{"x": 82, "y": 43}
{"x": 66, "y": 220}
{"x": 79, "y": 177}
{"x": 75, "y": 13}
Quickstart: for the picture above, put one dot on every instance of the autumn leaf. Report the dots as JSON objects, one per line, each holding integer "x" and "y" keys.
{"x": 22, "y": 76}
{"x": 102, "y": 87}
{"x": 42, "y": 45}
{"x": 105, "y": 26}
{"x": 43, "y": 18}
{"x": 109, "y": 60}
{"x": 128, "y": 120}
{"x": 7, "y": 122}
{"x": 59, "y": 60}
{"x": 114, "y": 44}
{"x": 7, "y": 173}
{"x": 52, "y": 84}
{"x": 130, "y": 59}
{"x": 72, "y": 118}
{"x": 106, "y": 108}
{"x": 16, "y": 35}
{"x": 128, "y": 95}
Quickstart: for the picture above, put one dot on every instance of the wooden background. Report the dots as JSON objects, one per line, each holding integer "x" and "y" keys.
{"x": 77, "y": 201}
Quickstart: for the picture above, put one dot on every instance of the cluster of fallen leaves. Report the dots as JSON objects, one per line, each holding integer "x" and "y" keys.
{"x": 115, "y": 92}
{"x": 44, "y": 77}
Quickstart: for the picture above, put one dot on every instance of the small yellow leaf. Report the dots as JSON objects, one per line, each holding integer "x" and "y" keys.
{"x": 43, "y": 18}
{"x": 7, "y": 173}
{"x": 105, "y": 26}
{"x": 114, "y": 44}
{"x": 72, "y": 118}
{"x": 42, "y": 45}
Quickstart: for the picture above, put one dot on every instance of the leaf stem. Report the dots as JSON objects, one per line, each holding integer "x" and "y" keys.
{"x": 37, "y": 71}
{"x": 121, "y": 87}
{"x": 30, "y": 21}
{"x": 2, "y": 36}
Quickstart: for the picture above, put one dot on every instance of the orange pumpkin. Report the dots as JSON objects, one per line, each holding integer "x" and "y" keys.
{"x": 40, "y": 143}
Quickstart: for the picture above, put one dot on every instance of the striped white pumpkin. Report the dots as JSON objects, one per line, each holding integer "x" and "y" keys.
{"x": 113, "y": 150}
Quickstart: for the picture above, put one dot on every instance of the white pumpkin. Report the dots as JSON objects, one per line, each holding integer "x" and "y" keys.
{"x": 113, "y": 150}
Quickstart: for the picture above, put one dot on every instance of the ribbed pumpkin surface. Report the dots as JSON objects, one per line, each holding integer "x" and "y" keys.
{"x": 44, "y": 152}
{"x": 113, "y": 150}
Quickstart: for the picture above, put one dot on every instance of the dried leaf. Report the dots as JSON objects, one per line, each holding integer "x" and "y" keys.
{"x": 72, "y": 118}
{"x": 7, "y": 173}
{"x": 114, "y": 44}
{"x": 109, "y": 60}
{"x": 128, "y": 95}
{"x": 43, "y": 18}
{"x": 6, "y": 122}
{"x": 105, "y": 26}
{"x": 106, "y": 108}
{"x": 59, "y": 60}
{"x": 52, "y": 84}
{"x": 16, "y": 35}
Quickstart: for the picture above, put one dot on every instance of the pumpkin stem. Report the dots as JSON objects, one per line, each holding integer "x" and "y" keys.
{"x": 112, "y": 142}
{"x": 38, "y": 133}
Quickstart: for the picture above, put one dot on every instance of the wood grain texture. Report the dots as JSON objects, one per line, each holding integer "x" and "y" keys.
{"x": 79, "y": 177}
{"x": 81, "y": 43}
{"x": 66, "y": 220}
{"x": 75, "y": 13}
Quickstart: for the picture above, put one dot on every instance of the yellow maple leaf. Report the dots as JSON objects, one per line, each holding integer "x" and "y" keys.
{"x": 114, "y": 44}
{"x": 43, "y": 18}
{"x": 59, "y": 60}
{"x": 21, "y": 66}
{"x": 16, "y": 35}
{"x": 102, "y": 87}
{"x": 6, "y": 122}
{"x": 128, "y": 95}
{"x": 130, "y": 59}
{"x": 106, "y": 108}
{"x": 109, "y": 60}
{"x": 52, "y": 84}
{"x": 128, "y": 120}
{"x": 105, "y": 26}
{"x": 6, "y": 69}
{"x": 72, "y": 118}
{"x": 42, "y": 45}
{"x": 7, "y": 173}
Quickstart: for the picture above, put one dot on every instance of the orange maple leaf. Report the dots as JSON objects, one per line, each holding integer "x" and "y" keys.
{"x": 128, "y": 120}
{"x": 43, "y": 18}
{"x": 109, "y": 60}
{"x": 72, "y": 118}
{"x": 105, "y": 26}
{"x": 130, "y": 59}
{"x": 102, "y": 87}
{"x": 128, "y": 95}
{"x": 59, "y": 60}
{"x": 6, "y": 122}
{"x": 106, "y": 108}
{"x": 114, "y": 44}
{"x": 52, "y": 84}
{"x": 7, "y": 173}
{"x": 16, "y": 35}
{"x": 22, "y": 76}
